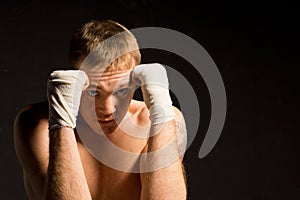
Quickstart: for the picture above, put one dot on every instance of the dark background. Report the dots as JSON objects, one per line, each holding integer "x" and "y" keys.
{"x": 254, "y": 45}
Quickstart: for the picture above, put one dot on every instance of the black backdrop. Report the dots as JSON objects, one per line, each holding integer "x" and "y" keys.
{"x": 254, "y": 45}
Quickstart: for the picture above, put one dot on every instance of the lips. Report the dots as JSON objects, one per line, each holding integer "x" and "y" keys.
{"x": 104, "y": 122}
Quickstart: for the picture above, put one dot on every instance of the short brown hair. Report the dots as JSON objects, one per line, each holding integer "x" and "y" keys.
{"x": 103, "y": 43}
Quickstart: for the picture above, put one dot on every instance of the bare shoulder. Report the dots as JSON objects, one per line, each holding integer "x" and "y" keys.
{"x": 143, "y": 115}
{"x": 31, "y": 140}
{"x": 31, "y": 116}
{"x": 140, "y": 111}
{"x": 31, "y": 135}
{"x": 179, "y": 116}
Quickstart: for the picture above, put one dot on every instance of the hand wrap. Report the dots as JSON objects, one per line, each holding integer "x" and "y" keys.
{"x": 64, "y": 89}
{"x": 155, "y": 87}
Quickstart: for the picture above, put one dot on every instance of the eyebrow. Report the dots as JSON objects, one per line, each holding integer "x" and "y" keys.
{"x": 118, "y": 86}
{"x": 124, "y": 82}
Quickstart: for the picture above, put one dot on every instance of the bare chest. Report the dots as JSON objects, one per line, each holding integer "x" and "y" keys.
{"x": 107, "y": 183}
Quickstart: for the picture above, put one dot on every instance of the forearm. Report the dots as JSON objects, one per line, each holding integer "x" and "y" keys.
{"x": 167, "y": 182}
{"x": 66, "y": 179}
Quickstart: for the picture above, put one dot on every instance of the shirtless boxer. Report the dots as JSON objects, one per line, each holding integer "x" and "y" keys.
{"x": 99, "y": 89}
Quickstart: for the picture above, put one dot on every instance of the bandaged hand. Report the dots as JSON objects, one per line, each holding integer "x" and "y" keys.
{"x": 155, "y": 87}
{"x": 64, "y": 89}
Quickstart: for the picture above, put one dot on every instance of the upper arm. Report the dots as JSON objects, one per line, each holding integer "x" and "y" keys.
{"x": 167, "y": 178}
{"x": 181, "y": 132}
{"x": 31, "y": 142}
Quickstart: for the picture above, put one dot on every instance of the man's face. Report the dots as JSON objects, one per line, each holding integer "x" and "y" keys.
{"x": 106, "y": 101}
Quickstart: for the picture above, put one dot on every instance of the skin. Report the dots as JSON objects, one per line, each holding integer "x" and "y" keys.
{"x": 52, "y": 160}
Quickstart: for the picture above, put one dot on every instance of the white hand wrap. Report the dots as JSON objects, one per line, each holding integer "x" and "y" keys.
{"x": 155, "y": 87}
{"x": 64, "y": 91}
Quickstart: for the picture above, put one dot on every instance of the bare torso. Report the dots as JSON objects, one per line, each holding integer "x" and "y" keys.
{"x": 107, "y": 183}
{"x": 103, "y": 181}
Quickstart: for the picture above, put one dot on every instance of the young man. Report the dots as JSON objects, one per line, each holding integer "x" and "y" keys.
{"x": 65, "y": 156}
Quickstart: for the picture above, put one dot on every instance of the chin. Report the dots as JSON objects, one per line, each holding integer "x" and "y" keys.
{"x": 109, "y": 129}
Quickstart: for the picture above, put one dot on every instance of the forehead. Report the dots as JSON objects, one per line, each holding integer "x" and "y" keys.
{"x": 97, "y": 77}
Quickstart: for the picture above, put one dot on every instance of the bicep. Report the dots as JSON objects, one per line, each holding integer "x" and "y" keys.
{"x": 169, "y": 181}
{"x": 181, "y": 132}
{"x": 31, "y": 145}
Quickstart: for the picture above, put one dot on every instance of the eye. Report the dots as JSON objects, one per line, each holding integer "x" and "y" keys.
{"x": 122, "y": 92}
{"x": 92, "y": 93}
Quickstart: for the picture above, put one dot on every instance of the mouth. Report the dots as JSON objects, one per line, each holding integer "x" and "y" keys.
{"x": 105, "y": 122}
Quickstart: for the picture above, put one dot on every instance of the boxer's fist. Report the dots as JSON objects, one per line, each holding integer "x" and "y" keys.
{"x": 64, "y": 89}
{"x": 155, "y": 87}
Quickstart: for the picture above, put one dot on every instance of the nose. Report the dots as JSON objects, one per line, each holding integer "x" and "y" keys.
{"x": 105, "y": 107}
